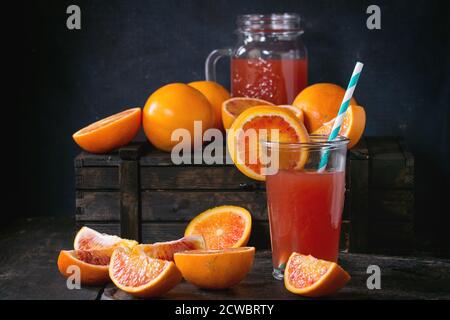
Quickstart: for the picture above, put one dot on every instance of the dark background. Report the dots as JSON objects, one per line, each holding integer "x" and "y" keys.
{"x": 127, "y": 49}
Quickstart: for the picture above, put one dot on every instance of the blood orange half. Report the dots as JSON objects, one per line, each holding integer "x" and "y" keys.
{"x": 233, "y": 107}
{"x": 136, "y": 273}
{"x": 109, "y": 133}
{"x": 311, "y": 277}
{"x": 215, "y": 269}
{"x": 271, "y": 123}
{"x": 222, "y": 227}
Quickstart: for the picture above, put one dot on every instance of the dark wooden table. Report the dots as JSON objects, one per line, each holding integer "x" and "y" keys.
{"x": 29, "y": 250}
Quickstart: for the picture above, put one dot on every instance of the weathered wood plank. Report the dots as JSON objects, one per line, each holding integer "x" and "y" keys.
{"x": 384, "y": 148}
{"x": 172, "y": 205}
{"x": 388, "y": 164}
{"x": 132, "y": 151}
{"x": 357, "y": 203}
{"x": 130, "y": 200}
{"x": 197, "y": 177}
{"x": 360, "y": 151}
{"x": 391, "y": 205}
{"x": 97, "y": 178}
{"x": 169, "y": 178}
{"x": 168, "y": 205}
{"x": 86, "y": 159}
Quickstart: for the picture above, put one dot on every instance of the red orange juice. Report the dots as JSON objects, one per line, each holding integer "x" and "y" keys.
{"x": 305, "y": 211}
{"x": 275, "y": 80}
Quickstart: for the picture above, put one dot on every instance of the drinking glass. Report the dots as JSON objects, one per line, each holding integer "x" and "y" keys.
{"x": 305, "y": 205}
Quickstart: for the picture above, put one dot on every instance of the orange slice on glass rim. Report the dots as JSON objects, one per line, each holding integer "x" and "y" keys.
{"x": 233, "y": 107}
{"x": 311, "y": 277}
{"x": 222, "y": 227}
{"x": 352, "y": 126}
{"x": 261, "y": 123}
{"x": 298, "y": 112}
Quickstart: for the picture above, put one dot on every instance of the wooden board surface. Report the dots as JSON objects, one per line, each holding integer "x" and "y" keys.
{"x": 29, "y": 252}
{"x": 400, "y": 279}
{"x": 30, "y": 248}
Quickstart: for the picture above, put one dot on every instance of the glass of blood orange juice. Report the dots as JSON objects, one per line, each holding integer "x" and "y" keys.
{"x": 269, "y": 60}
{"x": 305, "y": 205}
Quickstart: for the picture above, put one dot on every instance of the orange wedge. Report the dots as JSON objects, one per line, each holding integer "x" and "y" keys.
{"x": 215, "y": 269}
{"x": 352, "y": 126}
{"x": 95, "y": 273}
{"x": 311, "y": 277}
{"x": 110, "y": 133}
{"x": 245, "y": 150}
{"x": 136, "y": 273}
{"x": 222, "y": 227}
{"x": 233, "y": 107}
{"x": 166, "y": 250}
{"x": 89, "y": 239}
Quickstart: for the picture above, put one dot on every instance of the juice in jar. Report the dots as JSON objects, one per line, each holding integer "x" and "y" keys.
{"x": 275, "y": 80}
{"x": 305, "y": 212}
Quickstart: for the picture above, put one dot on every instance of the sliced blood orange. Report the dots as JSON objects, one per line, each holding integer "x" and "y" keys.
{"x": 89, "y": 239}
{"x": 245, "y": 151}
{"x": 109, "y": 133}
{"x": 98, "y": 257}
{"x": 222, "y": 227}
{"x": 166, "y": 250}
{"x": 215, "y": 269}
{"x": 136, "y": 273}
{"x": 298, "y": 113}
{"x": 93, "y": 271}
{"x": 233, "y": 107}
{"x": 311, "y": 277}
{"x": 352, "y": 126}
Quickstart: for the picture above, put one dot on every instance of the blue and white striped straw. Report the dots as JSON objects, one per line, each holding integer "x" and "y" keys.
{"x": 340, "y": 117}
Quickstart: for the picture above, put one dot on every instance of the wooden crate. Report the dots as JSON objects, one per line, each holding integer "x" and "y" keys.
{"x": 139, "y": 193}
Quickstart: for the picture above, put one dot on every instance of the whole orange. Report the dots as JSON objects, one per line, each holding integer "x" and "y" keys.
{"x": 216, "y": 95}
{"x": 175, "y": 106}
{"x": 320, "y": 103}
